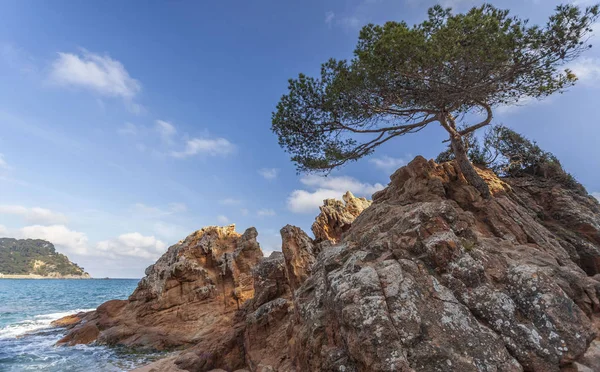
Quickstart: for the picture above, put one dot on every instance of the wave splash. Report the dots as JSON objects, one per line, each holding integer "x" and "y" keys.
{"x": 36, "y": 323}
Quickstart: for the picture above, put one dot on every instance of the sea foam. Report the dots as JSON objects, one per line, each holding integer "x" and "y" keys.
{"x": 36, "y": 323}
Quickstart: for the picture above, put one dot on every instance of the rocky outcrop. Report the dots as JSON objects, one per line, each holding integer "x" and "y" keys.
{"x": 433, "y": 277}
{"x": 300, "y": 254}
{"x": 336, "y": 217}
{"x": 429, "y": 277}
{"x": 190, "y": 295}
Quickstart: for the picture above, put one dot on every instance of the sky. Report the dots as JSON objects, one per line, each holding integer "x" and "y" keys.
{"x": 127, "y": 125}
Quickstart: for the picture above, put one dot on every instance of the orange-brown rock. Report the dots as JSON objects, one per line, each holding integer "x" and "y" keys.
{"x": 434, "y": 277}
{"x": 337, "y": 216}
{"x": 430, "y": 277}
{"x": 68, "y": 321}
{"x": 300, "y": 254}
{"x": 188, "y": 296}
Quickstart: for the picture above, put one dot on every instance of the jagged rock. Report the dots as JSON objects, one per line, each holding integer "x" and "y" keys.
{"x": 430, "y": 277}
{"x": 266, "y": 334}
{"x": 300, "y": 253}
{"x": 337, "y": 216}
{"x": 433, "y": 277}
{"x": 189, "y": 295}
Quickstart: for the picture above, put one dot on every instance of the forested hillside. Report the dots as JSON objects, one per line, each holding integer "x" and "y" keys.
{"x": 34, "y": 256}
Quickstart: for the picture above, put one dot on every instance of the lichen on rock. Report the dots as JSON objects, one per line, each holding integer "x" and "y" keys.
{"x": 429, "y": 277}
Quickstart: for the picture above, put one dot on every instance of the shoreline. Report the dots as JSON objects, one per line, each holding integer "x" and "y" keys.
{"x": 35, "y": 276}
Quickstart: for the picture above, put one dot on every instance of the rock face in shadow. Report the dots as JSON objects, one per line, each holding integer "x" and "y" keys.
{"x": 336, "y": 217}
{"x": 429, "y": 277}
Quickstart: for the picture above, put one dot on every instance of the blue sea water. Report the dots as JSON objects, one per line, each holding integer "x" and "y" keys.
{"x": 27, "y": 340}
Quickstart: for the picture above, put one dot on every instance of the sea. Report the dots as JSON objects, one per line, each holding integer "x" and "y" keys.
{"x": 27, "y": 341}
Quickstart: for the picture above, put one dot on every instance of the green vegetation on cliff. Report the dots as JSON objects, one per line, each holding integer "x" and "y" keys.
{"x": 34, "y": 256}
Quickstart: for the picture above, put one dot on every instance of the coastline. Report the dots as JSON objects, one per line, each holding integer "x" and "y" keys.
{"x": 35, "y": 276}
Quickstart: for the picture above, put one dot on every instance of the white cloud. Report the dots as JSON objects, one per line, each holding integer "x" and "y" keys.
{"x": 208, "y": 146}
{"x": 329, "y": 16}
{"x": 244, "y": 211}
{"x": 265, "y": 212}
{"x": 269, "y": 173}
{"x": 267, "y": 253}
{"x": 222, "y": 219}
{"x": 587, "y": 70}
{"x": 149, "y": 211}
{"x": 177, "y": 207}
{"x": 341, "y": 184}
{"x": 596, "y": 195}
{"x": 303, "y": 201}
{"x": 3, "y": 230}
{"x": 388, "y": 163}
{"x": 171, "y": 232}
{"x": 128, "y": 129}
{"x": 166, "y": 130}
{"x": 3, "y": 163}
{"x": 132, "y": 244}
{"x": 97, "y": 73}
{"x": 66, "y": 240}
{"x": 230, "y": 201}
{"x": 34, "y": 215}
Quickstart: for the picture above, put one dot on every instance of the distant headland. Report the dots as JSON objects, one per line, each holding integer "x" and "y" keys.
{"x": 35, "y": 259}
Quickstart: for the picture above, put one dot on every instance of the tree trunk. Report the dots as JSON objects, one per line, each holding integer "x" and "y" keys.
{"x": 466, "y": 167}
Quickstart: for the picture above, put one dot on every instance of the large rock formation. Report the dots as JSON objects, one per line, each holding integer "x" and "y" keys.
{"x": 430, "y": 277}
{"x": 336, "y": 217}
{"x": 188, "y": 296}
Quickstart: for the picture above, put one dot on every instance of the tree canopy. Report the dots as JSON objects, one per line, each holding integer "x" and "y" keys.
{"x": 403, "y": 78}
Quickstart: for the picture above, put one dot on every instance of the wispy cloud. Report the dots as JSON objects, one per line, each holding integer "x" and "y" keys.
{"x": 205, "y": 146}
{"x": 148, "y": 211}
{"x": 269, "y": 173}
{"x": 35, "y": 215}
{"x": 596, "y": 195}
{"x": 165, "y": 130}
{"x": 128, "y": 129}
{"x": 3, "y": 163}
{"x": 100, "y": 74}
{"x": 67, "y": 240}
{"x": 329, "y": 16}
{"x": 230, "y": 201}
{"x": 75, "y": 242}
{"x": 97, "y": 73}
{"x": 133, "y": 245}
{"x": 304, "y": 201}
{"x": 265, "y": 213}
{"x": 587, "y": 70}
{"x": 388, "y": 163}
{"x": 222, "y": 219}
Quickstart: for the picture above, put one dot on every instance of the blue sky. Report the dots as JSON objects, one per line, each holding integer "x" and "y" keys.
{"x": 126, "y": 125}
